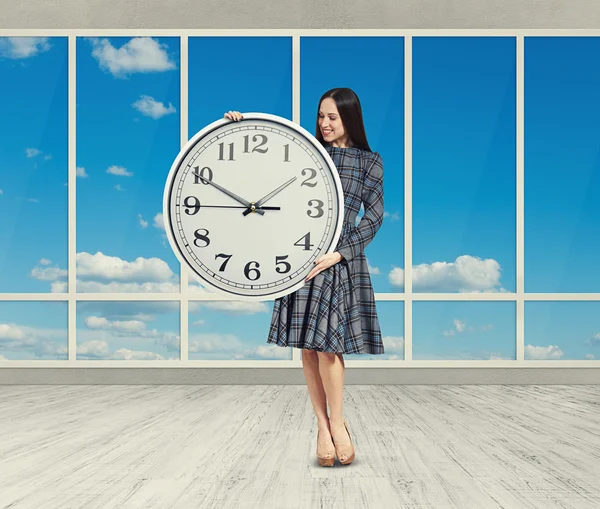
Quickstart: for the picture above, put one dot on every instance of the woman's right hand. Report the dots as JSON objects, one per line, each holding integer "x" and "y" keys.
{"x": 234, "y": 115}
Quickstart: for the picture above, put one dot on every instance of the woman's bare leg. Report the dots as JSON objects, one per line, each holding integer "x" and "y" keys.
{"x": 310, "y": 363}
{"x": 331, "y": 368}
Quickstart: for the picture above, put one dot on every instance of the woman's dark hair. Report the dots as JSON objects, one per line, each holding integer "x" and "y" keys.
{"x": 348, "y": 105}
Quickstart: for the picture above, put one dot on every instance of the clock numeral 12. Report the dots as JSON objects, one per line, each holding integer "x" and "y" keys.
{"x": 286, "y": 152}
{"x": 256, "y": 149}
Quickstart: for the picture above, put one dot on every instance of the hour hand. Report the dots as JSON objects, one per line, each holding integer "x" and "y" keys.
{"x": 270, "y": 195}
{"x": 233, "y": 195}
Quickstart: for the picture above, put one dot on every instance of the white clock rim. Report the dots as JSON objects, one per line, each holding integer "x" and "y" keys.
{"x": 183, "y": 152}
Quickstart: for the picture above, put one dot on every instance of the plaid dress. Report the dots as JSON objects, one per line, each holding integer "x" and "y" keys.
{"x": 335, "y": 310}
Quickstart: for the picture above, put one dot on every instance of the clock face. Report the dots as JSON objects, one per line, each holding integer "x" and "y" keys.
{"x": 264, "y": 160}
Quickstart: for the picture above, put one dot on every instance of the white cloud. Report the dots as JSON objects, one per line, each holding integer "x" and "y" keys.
{"x": 48, "y": 273}
{"x": 236, "y": 307}
{"x": 38, "y": 343}
{"x": 47, "y": 157}
{"x": 11, "y": 331}
{"x": 143, "y": 224}
{"x": 80, "y": 172}
{"x": 136, "y": 355}
{"x": 119, "y": 188}
{"x": 141, "y": 270}
{"x": 94, "y": 349}
{"x": 467, "y": 274}
{"x": 100, "y": 322}
{"x": 589, "y": 356}
{"x": 45, "y": 261}
{"x": 461, "y": 326}
{"x": 152, "y": 108}
{"x": 120, "y": 171}
{"x": 23, "y": 47}
{"x": 117, "y": 287}
{"x": 159, "y": 221}
{"x": 33, "y": 200}
{"x": 1, "y": 191}
{"x": 373, "y": 270}
{"x": 140, "y": 54}
{"x": 32, "y": 152}
{"x": 395, "y": 216}
{"x": 228, "y": 345}
{"x": 393, "y": 343}
{"x": 543, "y": 352}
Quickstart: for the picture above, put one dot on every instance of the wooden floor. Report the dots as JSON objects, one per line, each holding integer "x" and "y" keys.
{"x": 469, "y": 447}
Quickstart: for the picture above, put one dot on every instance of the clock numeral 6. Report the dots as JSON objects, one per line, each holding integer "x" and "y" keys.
{"x": 203, "y": 238}
{"x": 319, "y": 208}
{"x": 280, "y": 259}
{"x": 313, "y": 175}
{"x": 307, "y": 245}
{"x": 248, "y": 269}
{"x": 199, "y": 175}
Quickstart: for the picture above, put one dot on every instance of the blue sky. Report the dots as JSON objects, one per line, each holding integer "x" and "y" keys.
{"x": 562, "y": 165}
{"x": 464, "y": 166}
{"x": 128, "y": 117}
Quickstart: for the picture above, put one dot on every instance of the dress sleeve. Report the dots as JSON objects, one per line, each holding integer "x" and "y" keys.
{"x": 372, "y": 197}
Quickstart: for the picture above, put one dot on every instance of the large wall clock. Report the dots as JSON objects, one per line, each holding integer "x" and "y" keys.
{"x": 250, "y": 205}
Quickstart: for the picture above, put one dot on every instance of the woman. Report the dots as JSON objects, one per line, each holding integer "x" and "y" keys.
{"x": 334, "y": 313}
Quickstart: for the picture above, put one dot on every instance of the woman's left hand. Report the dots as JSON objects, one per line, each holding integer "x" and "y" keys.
{"x": 324, "y": 262}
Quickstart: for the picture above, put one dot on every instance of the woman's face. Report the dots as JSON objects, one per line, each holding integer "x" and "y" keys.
{"x": 330, "y": 124}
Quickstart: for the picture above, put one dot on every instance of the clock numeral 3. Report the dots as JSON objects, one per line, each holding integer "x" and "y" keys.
{"x": 307, "y": 245}
{"x": 195, "y": 206}
{"x": 248, "y": 269}
{"x": 319, "y": 208}
{"x": 280, "y": 259}
{"x": 314, "y": 174}
{"x": 200, "y": 177}
{"x": 203, "y": 238}
{"x": 227, "y": 258}
{"x": 221, "y": 150}
{"x": 256, "y": 149}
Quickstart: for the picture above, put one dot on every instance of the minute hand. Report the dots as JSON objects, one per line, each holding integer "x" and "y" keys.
{"x": 266, "y": 198}
{"x": 233, "y": 195}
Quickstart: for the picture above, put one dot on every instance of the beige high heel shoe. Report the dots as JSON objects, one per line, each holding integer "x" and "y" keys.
{"x": 350, "y": 458}
{"x": 323, "y": 461}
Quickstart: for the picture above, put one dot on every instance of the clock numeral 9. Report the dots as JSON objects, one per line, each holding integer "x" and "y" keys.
{"x": 204, "y": 237}
{"x": 200, "y": 177}
{"x": 195, "y": 205}
{"x": 256, "y": 149}
{"x": 319, "y": 208}
{"x": 314, "y": 174}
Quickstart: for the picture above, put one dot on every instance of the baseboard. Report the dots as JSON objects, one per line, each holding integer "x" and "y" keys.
{"x": 295, "y": 376}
